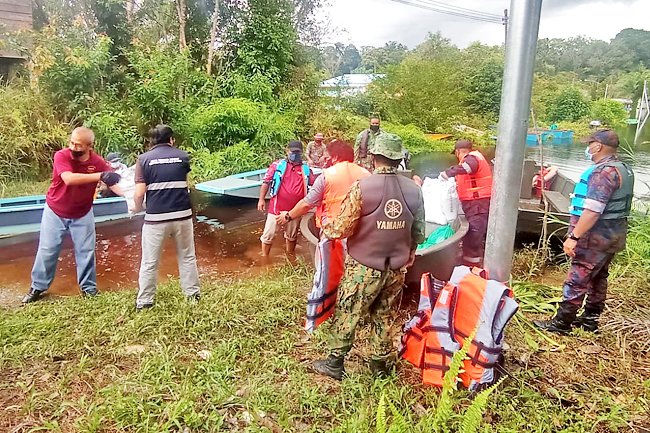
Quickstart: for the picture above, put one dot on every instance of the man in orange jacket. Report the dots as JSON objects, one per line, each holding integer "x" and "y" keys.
{"x": 326, "y": 194}
{"x": 474, "y": 184}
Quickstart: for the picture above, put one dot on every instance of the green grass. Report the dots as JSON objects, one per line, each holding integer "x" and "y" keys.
{"x": 239, "y": 361}
{"x": 23, "y": 188}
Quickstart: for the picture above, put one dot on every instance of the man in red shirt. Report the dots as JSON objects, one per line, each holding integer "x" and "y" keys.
{"x": 287, "y": 179}
{"x": 68, "y": 208}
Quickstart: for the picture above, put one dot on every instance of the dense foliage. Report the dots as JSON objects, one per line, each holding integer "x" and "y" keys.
{"x": 121, "y": 67}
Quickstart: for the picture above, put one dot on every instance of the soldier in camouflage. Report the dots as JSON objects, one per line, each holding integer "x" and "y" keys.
{"x": 364, "y": 143}
{"x": 382, "y": 218}
{"x": 600, "y": 206}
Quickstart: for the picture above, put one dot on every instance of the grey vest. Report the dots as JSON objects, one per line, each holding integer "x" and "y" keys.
{"x": 382, "y": 239}
{"x": 620, "y": 202}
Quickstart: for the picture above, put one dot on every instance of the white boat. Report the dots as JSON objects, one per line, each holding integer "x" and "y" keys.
{"x": 245, "y": 185}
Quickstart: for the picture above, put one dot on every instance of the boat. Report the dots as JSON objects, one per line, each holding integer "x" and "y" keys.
{"x": 244, "y": 185}
{"x": 549, "y": 136}
{"x": 23, "y": 214}
{"x": 439, "y": 259}
{"x": 532, "y": 209}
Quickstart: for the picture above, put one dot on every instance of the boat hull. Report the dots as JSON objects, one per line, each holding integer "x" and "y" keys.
{"x": 23, "y": 214}
{"x": 439, "y": 259}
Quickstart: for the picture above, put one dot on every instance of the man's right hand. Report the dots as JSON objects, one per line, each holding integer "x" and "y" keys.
{"x": 261, "y": 205}
{"x": 110, "y": 178}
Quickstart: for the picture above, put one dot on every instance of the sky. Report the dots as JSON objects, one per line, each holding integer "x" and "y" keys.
{"x": 375, "y": 22}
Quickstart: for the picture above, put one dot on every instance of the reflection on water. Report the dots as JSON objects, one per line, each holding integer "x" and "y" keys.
{"x": 226, "y": 233}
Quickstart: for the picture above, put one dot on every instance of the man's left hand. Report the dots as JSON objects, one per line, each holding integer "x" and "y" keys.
{"x": 281, "y": 218}
{"x": 569, "y": 247}
{"x": 443, "y": 176}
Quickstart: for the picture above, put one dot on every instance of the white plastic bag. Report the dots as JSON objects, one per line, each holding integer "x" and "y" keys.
{"x": 440, "y": 200}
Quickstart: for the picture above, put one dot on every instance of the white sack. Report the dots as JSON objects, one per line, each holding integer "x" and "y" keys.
{"x": 440, "y": 200}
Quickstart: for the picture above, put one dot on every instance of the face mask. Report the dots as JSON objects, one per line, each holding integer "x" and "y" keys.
{"x": 295, "y": 158}
{"x": 374, "y": 128}
{"x": 588, "y": 154}
{"x": 76, "y": 154}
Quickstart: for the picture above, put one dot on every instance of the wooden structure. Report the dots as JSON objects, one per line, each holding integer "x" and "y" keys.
{"x": 14, "y": 15}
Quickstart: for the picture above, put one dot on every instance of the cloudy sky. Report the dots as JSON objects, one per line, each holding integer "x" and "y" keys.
{"x": 375, "y": 22}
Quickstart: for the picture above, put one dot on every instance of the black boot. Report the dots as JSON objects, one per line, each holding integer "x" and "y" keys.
{"x": 379, "y": 367}
{"x": 588, "y": 320}
{"x": 560, "y": 324}
{"x": 332, "y": 367}
{"x": 32, "y": 296}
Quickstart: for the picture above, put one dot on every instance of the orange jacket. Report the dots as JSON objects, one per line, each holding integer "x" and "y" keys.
{"x": 477, "y": 185}
{"x": 466, "y": 304}
{"x": 338, "y": 180}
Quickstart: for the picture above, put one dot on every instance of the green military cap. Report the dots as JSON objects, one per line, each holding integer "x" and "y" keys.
{"x": 388, "y": 145}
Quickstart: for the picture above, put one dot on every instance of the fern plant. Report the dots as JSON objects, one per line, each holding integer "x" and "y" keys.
{"x": 474, "y": 413}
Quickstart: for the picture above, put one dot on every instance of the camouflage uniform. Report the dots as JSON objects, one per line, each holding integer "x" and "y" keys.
{"x": 595, "y": 250}
{"x": 365, "y": 290}
{"x": 366, "y": 162}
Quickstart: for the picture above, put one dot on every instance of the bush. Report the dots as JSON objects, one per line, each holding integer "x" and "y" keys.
{"x": 609, "y": 112}
{"x": 570, "y": 105}
{"x": 414, "y": 139}
{"x": 230, "y": 121}
{"x": 238, "y": 158}
{"x": 113, "y": 133}
{"x": 30, "y": 133}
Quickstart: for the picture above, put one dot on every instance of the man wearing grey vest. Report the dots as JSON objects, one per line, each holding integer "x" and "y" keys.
{"x": 161, "y": 175}
{"x": 382, "y": 217}
{"x": 364, "y": 143}
{"x": 600, "y": 205}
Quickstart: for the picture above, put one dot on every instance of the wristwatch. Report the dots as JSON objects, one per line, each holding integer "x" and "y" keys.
{"x": 287, "y": 217}
{"x": 573, "y": 237}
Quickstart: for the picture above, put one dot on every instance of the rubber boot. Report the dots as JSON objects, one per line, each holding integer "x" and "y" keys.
{"x": 588, "y": 320}
{"x": 332, "y": 367}
{"x": 560, "y": 324}
{"x": 379, "y": 367}
{"x": 266, "y": 249}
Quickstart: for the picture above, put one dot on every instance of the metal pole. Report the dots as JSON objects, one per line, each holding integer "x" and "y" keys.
{"x": 504, "y": 20}
{"x": 521, "y": 45}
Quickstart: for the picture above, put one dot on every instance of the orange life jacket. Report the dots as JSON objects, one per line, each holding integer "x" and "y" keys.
{"x": 537, "y": 182}
{"x": 468, "y": 302}
{"x": 338, "y": 180}
{"x": 477, "y": 185}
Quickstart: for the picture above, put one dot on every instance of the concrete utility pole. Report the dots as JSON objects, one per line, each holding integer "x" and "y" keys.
{"x": 521, "y": 46}
{"x": 504, "y": 20}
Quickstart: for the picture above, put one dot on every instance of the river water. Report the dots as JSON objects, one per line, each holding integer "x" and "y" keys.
{"x": 227, "y": 232}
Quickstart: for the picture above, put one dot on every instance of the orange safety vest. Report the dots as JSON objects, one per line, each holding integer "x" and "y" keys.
{"x": 338, "y": 180}
{"x": 477, "y": 185}
{"x": 468, "y": 302}
{"x": 330, "y": 255}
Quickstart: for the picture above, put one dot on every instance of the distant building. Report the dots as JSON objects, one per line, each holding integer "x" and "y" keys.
{"x": 347, "y": 85}
{"x": 14, "y": 15}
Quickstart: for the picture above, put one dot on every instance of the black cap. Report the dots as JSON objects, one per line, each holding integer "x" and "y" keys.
{"x": 462, "y": 144}
{"x": 295, "y": 146}
{"x": 604, "y": 136}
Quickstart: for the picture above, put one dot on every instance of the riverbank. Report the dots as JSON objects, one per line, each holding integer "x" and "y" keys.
{"x": 239, "y": 360}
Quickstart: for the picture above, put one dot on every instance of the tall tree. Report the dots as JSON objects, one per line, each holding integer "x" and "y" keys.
{"x": 213, "y": 35}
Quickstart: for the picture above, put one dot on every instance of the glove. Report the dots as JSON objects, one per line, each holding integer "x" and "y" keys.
{"x": 110, "y": 178}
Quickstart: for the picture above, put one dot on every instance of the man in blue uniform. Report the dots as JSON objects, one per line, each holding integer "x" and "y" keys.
{"x": 600, "y": 206}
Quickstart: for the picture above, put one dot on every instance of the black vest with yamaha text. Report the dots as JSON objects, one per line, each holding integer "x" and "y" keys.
{"x": 382, "y": 239}
{"x": 165, "y": 169}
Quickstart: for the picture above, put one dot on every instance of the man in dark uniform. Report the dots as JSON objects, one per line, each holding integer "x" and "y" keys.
{"x": 161, "y": 176}
{"x": 600, "y": 206}
{"x": 382, "y": 217}
{"x": 474, "y": 185}
{"x": 364, "y": 143}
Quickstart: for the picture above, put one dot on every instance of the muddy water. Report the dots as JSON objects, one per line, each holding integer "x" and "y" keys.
{"x": 226, "y": 234}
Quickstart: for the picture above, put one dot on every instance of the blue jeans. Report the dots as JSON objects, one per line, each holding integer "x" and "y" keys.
{"x": 53, "y": 230}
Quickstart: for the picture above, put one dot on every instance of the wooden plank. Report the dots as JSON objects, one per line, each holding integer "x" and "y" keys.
{"x": 559, "y": 202}
{"x": 16, "y": 2}
{"x": 17, "y": 9}
{"x": 14, "y": 16}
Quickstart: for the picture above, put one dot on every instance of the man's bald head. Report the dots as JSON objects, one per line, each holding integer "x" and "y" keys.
{"x": 83, "y": 135}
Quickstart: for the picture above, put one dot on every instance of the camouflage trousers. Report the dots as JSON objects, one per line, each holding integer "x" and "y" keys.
{"x": 365, "y": 292}
{"x": 587, "y": 278}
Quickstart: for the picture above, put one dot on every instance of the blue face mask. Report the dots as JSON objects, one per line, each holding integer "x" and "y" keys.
{"x": 588, "y": 154}
{"x": 295, "y": 158}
